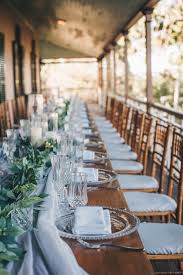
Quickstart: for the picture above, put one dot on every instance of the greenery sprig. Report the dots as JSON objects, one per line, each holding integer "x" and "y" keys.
{"x": 19, "y": 192}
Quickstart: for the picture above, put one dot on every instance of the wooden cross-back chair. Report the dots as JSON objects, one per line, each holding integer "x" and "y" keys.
{"x": 21, "y": 107}
{"x": 117, "y": 110}
{"x": 9, "y": 113}
{"x": 160, "y": 147}
{"x": 130, "y": 131}
{"x": 154, "y": 181}
{"x": 106, "y": 106}
{"x": 144, "y": 139}
{"x": 176, "y": 173}
{"x": 169, "y": 204}
{"x": 123, "y": 122}
{"x": 142, "y": 127}
{"x": 137, "y": 132}
{"x": 110, "y": 108}
{"x": 169, "y": 244}
{"x": 3, "y": 125}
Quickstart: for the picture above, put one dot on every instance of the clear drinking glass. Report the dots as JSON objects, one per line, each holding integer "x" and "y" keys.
{"x": 62, "y": 167}
{"x": 77, "y": 190}
{"x": 23, "y": 218}
{"x": 25, "y": 127}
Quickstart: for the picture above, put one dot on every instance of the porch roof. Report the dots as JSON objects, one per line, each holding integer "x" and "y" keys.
{"x": 91, "y": 25}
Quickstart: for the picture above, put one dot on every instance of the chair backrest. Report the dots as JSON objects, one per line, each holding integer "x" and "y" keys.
{"x": 123, "y": 122}
{"x": 137, "y": 132}
{"x": 106, "y": 105}
{"x": 3, "y": 125}
{"x": 111, "y": 110}
{"x": 21, "y": 106}
{"x": 176, "y": 173}
{"x": 130, "y": 131}
{"x": 117, "y": 110}
{"x": 109, "y": 107}
{"x": 144, "y": 142}
{"x": 160, "y": 146}
{"x": 9, "y": 113}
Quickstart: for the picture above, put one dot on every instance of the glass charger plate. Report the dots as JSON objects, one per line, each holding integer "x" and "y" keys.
{"x": 94, "y": 144}
{"x": 123, "y": 223}
{"x": 104, "y": 177}
{"x": 98, "y": 159}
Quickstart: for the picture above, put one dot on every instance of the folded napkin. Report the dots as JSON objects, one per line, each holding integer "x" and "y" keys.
{"x": 88, "y": 155}
{"x": 91, "y": 220}
{"x": 86, "y": 141}
{"x": 91, "y": 173}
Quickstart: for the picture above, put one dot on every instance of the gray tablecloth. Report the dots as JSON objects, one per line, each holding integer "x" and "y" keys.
{"x": 46, "y": 253}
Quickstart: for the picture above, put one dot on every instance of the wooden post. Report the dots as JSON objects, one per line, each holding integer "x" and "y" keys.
{"x": 149, "y": 95}
{"x": 100, "y": 83}
{"x": 126, "y": 65}
{"x": 114, "y": 68}
{"x": 108, "y": 73}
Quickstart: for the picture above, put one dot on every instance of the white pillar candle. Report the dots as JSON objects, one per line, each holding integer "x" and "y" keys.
{"x": 36, "y": 135}
{"x": 44, "y": 125}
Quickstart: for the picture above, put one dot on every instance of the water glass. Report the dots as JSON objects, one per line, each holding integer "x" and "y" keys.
{"x": 25, "y": 127}
{"x": 77, "y": 190}
{"x": 23, "y": 218}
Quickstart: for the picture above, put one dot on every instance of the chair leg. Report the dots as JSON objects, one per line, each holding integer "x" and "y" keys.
{"x": 163, "y": 219}
{"x": 169, "y": 218}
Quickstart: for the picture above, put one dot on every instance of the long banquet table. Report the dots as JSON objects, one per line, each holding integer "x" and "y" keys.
{"x": 109, "y": 261}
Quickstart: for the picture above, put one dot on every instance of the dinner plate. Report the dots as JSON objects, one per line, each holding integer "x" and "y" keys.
{"x": 123, "y": 222}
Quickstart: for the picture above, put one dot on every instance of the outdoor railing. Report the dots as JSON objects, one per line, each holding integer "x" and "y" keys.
{"x": 166, "y": 114}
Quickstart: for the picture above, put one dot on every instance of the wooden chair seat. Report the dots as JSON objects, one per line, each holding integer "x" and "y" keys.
{"x": 142, "y": 203}
{"x": 162, "y": 240}
{"x": 138, "y": 182}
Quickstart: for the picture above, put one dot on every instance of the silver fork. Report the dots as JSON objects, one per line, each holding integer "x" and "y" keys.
{"x": 100, "y": 245}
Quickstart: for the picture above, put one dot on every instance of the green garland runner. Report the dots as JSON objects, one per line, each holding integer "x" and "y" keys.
{"x": 19, "y": 190}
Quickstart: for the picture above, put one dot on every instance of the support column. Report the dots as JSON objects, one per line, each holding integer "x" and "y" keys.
{"x": 100, "y": 83}
{"x": 126, "y": 65}
{"x": 149, "y": 94}
{"x": 108, "y": 73}
{"x": 114, "y": 69}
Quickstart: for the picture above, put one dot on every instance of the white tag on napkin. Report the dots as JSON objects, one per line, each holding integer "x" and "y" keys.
{"x": 88, "y": 155}
{"x": 91, "y": 220}
{"x": 91, "y": 173}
